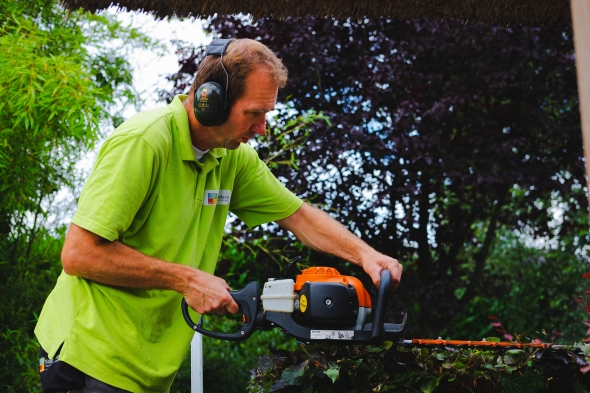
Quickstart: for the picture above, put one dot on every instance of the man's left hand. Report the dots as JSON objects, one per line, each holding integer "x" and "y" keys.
{"x": 375, "y": 263}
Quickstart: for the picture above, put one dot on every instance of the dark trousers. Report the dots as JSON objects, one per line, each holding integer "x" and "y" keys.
{"x": 60, "y": 377}
{"x": 95, "y": 386}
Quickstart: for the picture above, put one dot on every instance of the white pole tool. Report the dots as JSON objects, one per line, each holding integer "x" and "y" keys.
{"x": 197, "y": 364}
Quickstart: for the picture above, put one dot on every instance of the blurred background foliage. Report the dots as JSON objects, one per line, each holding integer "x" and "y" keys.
{"x": 454, "y": 148}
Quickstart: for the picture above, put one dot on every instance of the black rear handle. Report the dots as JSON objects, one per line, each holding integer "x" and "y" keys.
{"x": 249, "y": 302}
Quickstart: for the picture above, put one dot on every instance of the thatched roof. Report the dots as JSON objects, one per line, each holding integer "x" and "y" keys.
{"x": 529, "y": 12}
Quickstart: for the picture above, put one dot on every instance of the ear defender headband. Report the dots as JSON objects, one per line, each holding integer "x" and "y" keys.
{"x": 210, "y": 99}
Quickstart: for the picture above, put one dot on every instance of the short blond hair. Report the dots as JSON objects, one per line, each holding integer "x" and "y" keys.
{"x": 241, "y": 58}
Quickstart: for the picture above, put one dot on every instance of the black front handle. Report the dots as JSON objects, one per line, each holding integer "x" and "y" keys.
{"x": 379, "y": 312}
{"x": 249, "y": 302}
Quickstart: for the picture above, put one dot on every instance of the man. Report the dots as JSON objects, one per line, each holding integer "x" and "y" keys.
{"x": 149, "y": 225}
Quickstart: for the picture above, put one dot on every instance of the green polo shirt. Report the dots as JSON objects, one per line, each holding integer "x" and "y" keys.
{"x": 149, "y": 192}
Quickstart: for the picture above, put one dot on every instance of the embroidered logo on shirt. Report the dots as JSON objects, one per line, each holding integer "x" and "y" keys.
{"x": 216, "y": 197}
{"x": 212, "y": 198}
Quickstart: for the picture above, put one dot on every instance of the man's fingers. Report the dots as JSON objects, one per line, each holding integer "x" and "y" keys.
{"x": 385, "y": 263}
{"x": 210, "y": 295}
{"x": 397, "y": 271}
{"x": 233, "y": 307}
{"x": 396, "y": 275}
{"x": 223, "y": 304}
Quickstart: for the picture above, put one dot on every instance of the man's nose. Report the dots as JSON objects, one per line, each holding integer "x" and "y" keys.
{"x": 259, "y": 126}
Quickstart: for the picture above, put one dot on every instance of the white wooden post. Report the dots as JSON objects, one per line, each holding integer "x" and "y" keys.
{"x": 197, "y": 364}
{"x": 581, "y": 22}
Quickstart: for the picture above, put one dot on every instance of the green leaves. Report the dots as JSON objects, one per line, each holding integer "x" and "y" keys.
{"x": 429, "y": 385}
{"x": 529, "y": 382}
{"x": 514, "y": 356}
{"x": 290, "y": 135}
{"x": 294, "y": 375}
{"x": 369, "y": 368}
{"x": 53, "y": 102}
{"x": 52, "y": 108}
{"x": 333, "y": 374}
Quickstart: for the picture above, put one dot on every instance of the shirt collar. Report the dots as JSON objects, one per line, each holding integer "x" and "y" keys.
{"x": 184, "y": 133}
{"x": 186, "y": 145}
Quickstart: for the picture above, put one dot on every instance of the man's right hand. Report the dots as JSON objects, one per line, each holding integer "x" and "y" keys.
{"x": 208, "y": 294}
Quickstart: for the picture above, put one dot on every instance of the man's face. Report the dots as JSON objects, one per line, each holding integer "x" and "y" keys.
{"x": 248, "y": 115}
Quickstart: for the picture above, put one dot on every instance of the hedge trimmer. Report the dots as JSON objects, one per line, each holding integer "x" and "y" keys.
{"x": 323, "y": 305}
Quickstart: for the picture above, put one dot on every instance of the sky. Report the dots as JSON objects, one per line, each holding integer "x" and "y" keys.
{"x": 150, "y": 68}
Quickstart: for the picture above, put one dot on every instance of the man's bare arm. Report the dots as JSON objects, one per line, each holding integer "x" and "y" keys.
{"x": 317, "y": 230}
{"x": 90, "y": 256}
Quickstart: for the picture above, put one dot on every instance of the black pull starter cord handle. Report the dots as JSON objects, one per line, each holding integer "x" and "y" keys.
{"x": 249, "y": 302}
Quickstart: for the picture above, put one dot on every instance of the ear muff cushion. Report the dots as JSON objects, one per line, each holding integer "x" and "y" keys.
{"x": 209, "y": 104}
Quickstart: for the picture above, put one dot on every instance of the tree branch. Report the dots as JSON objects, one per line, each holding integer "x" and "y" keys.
{"x": 482, "y": 255}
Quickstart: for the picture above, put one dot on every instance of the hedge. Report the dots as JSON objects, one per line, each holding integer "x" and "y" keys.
{"x": 387, "y": 367}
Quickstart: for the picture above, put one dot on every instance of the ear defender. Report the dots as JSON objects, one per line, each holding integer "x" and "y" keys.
{"x": 210, "y": 104}
{"x": 210, "y": 100}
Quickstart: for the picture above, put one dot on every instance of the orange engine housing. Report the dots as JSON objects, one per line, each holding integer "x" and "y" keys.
{"x": 329, "y": 274}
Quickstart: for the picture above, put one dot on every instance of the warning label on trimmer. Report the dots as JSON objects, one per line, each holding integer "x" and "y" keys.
{"x": 332, "y": 334}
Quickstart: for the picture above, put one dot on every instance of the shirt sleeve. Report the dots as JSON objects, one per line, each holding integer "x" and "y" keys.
{"x": 258, "y": 196}
{"x": 117, "y": 186}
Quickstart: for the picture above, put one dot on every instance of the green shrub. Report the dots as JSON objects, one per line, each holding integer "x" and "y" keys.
{"x": 60, "y": 78}
{"x": 370, "y": 368}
